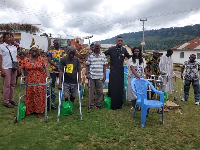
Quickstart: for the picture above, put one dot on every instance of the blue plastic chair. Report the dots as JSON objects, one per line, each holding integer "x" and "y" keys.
{"x": 125, "y": 86}
{"x": 107, "y": 77}
{"x": 139, "y": 86}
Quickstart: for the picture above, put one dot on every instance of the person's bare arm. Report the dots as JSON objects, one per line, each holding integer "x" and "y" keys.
{"x": 46, "y": 71}
{"x": 182, "y": 69}
{"x": 52, "y": 63}
{"x": 104, "y": 73}
{"x": 79, "y": 79}
{"x": 146, "y": 72}
{"x": 134, "y": 72}
{"x": 60, "y": 80}
{"x": 87, "y": 71}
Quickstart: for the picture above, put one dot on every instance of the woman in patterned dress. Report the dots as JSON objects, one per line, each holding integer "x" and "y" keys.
{"x": 36, "y": 68}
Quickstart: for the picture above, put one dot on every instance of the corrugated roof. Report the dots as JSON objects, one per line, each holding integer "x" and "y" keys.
{"x": 193, "y": 44}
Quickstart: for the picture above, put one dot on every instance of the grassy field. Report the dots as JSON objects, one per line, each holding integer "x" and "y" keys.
{"x": 102, "y": 129}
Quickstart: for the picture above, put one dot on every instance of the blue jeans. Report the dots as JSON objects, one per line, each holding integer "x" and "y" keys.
{"x": 196, "y": 87}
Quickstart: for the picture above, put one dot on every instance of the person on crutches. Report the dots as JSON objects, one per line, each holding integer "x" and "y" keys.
{"x": 73, "y": 67}
{"x": 191, "y": 75}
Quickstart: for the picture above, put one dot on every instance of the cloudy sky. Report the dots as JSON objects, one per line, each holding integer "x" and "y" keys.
{"x": 100, "y": 18}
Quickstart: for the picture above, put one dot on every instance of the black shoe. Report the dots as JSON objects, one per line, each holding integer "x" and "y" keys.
{"x": 89, "y": 108}
{"x": 98, "y": 107}
{"x": 114, "y": 108}
{"x": 53, "y": 107}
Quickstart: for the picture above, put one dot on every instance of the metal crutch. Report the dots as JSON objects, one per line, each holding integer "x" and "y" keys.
{"x": 79, "y": 95}
{"x": 60, "y": 97}
{"x": 46, "y": 97}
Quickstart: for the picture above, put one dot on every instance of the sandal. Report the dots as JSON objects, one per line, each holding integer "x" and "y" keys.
{"x": 132, "y": 107}
{"x": 9, "y": 105}
{"x": 13, "y": 103}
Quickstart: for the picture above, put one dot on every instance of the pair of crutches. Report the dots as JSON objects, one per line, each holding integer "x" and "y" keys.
{"x": 61, "y": 97}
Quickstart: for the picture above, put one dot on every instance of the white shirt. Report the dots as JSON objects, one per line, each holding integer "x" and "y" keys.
{"x": 166, "y": 65}
{"x": 6, "y": 59}
{"x": 139, "y": 68}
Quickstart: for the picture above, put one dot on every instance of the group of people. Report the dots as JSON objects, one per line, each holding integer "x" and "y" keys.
{"x": 34, "y": 67}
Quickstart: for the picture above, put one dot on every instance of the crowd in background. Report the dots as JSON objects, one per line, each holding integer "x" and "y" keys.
{"x": 34, "y": 67}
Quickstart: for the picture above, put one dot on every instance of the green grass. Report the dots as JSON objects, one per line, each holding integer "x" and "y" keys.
{"x": 102, "y": 129}
{"x": 177, "y": 69}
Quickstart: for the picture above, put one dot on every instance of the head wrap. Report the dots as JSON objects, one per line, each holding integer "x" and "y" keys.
{"x": 34, "y": 46}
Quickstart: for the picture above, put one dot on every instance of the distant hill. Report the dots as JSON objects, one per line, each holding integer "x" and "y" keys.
{"x": 159, "y": 39}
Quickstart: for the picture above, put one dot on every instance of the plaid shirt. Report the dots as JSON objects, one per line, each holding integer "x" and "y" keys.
{"x": 96, "y": 64}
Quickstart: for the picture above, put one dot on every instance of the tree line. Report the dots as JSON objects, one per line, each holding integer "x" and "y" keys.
{"x": 158, "y": 39}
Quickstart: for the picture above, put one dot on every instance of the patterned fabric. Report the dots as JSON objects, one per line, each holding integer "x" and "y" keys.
{"x": 21, "y": 63}
{"x": 191, "y": 70}
{"x": 96, "y": 64}
{"x": 55, "y": 55}
{"x": 153, "y": 65}
{"x": 139, "y": 68}
{"x": 35, "y": 95}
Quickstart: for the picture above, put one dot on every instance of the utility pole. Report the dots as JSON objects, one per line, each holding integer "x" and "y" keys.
{"x": 143, "y": 42}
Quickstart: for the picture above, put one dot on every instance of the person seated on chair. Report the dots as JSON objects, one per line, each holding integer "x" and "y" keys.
{"x": 136, "y": 68}
{"x": 73, "y": 67}
{"x": 96, "y": 74}
{"x": 191, "y": 75}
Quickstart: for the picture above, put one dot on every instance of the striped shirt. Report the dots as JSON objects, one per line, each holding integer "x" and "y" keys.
{"x": 96, "y": 64}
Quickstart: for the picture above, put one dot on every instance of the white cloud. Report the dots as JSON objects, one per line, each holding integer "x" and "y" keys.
{"x": 100, "y": 18}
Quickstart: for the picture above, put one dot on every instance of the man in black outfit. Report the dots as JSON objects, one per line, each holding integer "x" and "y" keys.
{"x": 116, "y": 77}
